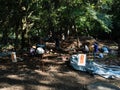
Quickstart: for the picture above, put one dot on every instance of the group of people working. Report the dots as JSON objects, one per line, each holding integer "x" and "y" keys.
{"x": 38, "y": 49}
{"x": 94, "y": 48}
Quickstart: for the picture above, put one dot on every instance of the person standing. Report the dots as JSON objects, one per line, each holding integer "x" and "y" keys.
{"x": 57, "y": 42}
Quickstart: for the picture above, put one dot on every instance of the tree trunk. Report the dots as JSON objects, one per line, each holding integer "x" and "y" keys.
{"x": 16, "y": 36}
{"x": 23, "y": 39}
{"x": 119, "y": 48}
{"x": 5, "y": 37}
{"x": 24, "y": 35}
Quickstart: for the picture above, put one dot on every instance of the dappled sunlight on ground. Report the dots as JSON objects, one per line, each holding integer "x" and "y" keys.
{"x": 53, "y": 72}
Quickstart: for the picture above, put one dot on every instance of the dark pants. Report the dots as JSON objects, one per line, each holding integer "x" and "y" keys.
{"x": 40, "y": 56}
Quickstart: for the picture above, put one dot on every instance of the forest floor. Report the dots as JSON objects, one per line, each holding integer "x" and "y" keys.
{"x": 53, "y": 72}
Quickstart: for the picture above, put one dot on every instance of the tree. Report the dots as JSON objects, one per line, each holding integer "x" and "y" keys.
{"x": 116, "y": 23}
{"x": 39, "y": 17}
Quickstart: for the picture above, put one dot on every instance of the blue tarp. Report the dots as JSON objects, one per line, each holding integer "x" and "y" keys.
{"x": 94, "y": 68}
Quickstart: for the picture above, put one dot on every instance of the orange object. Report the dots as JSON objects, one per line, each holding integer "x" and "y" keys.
{"x": 82, "y": 59}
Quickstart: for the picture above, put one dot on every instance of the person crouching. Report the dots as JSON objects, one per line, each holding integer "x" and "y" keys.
{"x": 32, "y": 51}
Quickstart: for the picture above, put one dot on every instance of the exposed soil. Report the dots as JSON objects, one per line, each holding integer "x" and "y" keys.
{"x": 53, "y": 72}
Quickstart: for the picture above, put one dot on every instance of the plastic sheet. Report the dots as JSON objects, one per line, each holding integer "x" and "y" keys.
{"x": 3, "y": 54}
{"x": 94, "y": 68}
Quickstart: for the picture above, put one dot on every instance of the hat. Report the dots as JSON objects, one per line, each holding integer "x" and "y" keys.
{"x": 33, "y": 46}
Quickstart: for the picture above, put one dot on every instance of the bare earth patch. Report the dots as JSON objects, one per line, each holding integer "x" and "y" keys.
{"x": 52, "y": 75}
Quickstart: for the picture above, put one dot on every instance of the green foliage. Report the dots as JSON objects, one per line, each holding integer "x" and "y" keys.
{"x": 89, "y": 18}
{"x": 101, "y": 18}
{"x": 116, "y": 20}
{"x": 39, "y": 17}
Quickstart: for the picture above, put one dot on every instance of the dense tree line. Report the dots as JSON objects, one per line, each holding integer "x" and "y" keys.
{"x": 22, "y": 19}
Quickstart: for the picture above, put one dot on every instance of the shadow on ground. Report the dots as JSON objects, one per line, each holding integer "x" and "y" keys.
{"x": 31, "y": 75}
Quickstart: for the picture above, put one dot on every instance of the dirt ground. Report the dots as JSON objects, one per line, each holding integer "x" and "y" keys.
{"x": 53, "y": 72}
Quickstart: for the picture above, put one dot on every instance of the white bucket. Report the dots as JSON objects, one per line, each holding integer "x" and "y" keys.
{"x": 13, "y": 57}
